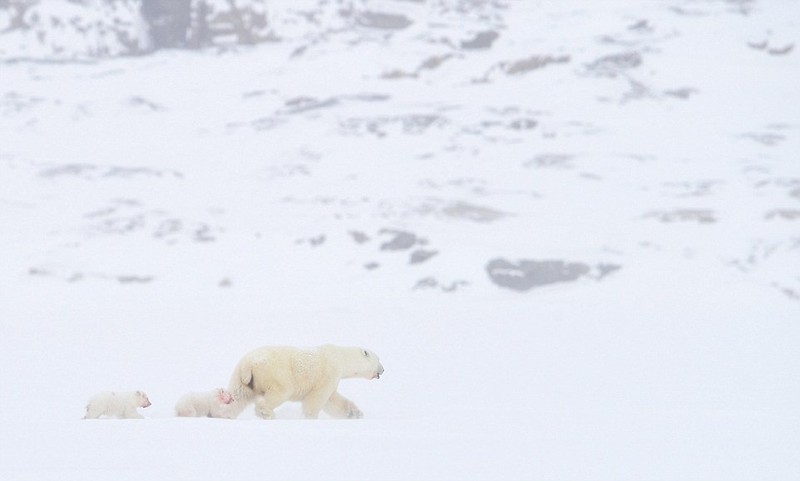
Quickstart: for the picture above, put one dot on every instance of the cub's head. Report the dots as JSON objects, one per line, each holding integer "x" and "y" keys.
{"x": 365, "y": 363}
{"x": 143, "y": 400}
{"x": 224, "y": 397}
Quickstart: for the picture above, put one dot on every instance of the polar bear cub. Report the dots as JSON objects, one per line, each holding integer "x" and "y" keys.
{"x": 273, "y": 375}
{"x": 212, "y": 404}
{"x": 117, "y": 405}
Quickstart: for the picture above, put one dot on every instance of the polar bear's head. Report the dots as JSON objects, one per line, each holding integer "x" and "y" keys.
{"x": 360, "y": 362}
{"x": 142, "y": 399}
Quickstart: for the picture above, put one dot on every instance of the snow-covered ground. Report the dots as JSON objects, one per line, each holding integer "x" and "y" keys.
{"x": 571, "y": 230}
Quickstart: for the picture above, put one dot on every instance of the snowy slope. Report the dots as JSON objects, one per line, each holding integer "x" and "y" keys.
{"x": 571, "y": 230}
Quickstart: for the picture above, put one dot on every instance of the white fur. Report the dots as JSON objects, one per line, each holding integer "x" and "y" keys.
{"x": 116, "y": 405}
{"x": 271, "y": 375}
{"x": 212, "y": 404}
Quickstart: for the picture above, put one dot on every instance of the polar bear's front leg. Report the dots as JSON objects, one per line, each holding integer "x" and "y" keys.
{"x": 316, "y": 400}
{"x": 339, "y": 406}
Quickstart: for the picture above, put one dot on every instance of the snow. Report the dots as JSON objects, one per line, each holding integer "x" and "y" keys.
{"x": 163, "y": 215}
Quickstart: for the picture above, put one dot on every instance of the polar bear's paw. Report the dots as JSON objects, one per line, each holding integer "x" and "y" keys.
{"x": 265, "y": 413}
{"x": 352, "y": 412}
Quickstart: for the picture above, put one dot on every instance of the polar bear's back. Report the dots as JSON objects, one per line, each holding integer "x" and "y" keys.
{"x": 268, "y": 366}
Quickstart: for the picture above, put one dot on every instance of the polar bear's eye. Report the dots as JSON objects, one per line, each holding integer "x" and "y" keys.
{"x": 366, "y": 353}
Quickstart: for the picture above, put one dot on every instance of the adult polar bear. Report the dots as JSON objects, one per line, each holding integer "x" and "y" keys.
{"x": 272, "y": 375}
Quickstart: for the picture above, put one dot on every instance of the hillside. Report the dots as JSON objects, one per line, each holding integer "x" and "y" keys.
{"x": 571, "y": 230}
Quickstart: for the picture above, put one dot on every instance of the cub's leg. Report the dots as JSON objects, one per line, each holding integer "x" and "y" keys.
{"x": 131, "y": 413}
{"x": 187, "y": 412}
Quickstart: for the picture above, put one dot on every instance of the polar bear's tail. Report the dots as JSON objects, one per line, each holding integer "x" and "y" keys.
{"x": 241, "y": 389}
{"x": 246, "y": 377}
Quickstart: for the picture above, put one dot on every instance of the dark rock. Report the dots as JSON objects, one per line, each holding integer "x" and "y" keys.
{"x": 701, "y": 216}
{"x": 560, "y": 161}
{"x": 304, "y": 104}
{"x": 612, "y": 65}
{"x": 36, "y": 271}
{"x": 168, "y": 227}
{"x": 78, "y": 170}
{"x": 433, "y": 283}
{"x": 384, "y": 21}
{"x": 786, "y": 214}
{"x": 781, "y": 50}
{"x": 134, "y": 279}
{"x": 434, "y": 62}
{"x": 427, "y": 283}
{"x": 681, "y": 93}
{"x": 137, "y": 101}
{"x": 606, "y": 269}
{"x": 527, "y": 274}
{"x": 169, "y": 21}
{"x": 642, "y": 26}
{"x": 402, "y": 240}
{"x": 317, "y": 241}
{"x": 454, "y": 286}
{"x": 203, "y": 233}
{"x": 482, "y": 40}
{"x": 421, "y": 255}
{"x": 523, "y": 124}
{"x": 475, "y": 213}
{"x": 529, "y": 64}
{"x": 359, "y": 237}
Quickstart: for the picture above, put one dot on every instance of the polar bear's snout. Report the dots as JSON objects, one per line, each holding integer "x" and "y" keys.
{"x": 144, "y": 401}
{"x": 379, "y": 372}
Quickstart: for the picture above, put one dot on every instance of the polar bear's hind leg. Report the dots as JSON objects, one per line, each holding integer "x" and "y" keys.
{"x": 271, "y": 397}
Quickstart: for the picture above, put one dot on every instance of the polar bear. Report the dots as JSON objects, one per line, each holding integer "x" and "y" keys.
{"x": 116, "y": 405}
{"x": 212, "y": 404}
{"x": 272, "y": 375}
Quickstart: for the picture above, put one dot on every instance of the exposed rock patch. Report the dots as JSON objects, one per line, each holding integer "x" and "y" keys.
{"x": 527, "y": 274}
{"x": 401, "y": 240}
{"x": 614, "y": 65}
{"x": 701, "y": 216}
{"x": 481, "y": 40}
{"x": 383, "y": 21}
{"x": 433, "y": 283}
{"x": 475, "y": 213}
